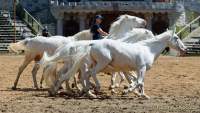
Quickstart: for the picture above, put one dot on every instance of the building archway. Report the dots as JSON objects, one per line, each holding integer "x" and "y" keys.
{"x": 109, "y": 18}
{"x": 71, "y": 27}
{"x": 160, "y": 23}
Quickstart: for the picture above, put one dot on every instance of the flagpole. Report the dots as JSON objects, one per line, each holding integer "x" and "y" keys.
{"x": 14, "y": 19}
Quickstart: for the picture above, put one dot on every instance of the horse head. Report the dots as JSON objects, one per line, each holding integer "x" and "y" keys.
{"x": 125, "y": 23}
{"x": 176, "y": 43}
{"x": 134, "y": 22}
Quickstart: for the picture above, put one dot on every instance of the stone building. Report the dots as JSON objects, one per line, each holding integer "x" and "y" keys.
{"x": 72, "y": 17}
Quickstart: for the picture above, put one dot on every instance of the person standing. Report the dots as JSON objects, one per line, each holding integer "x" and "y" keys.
{"x": 96, "y": 29}
{"x": 45, "y": 32}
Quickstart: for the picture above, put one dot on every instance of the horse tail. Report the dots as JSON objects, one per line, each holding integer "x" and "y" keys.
{"x": 49, "y": 74}
{"x": 78, "y": 60}
{"x": 47, "y": 59}
{"x": 16, "y": 47}
{"x": 62, "y": 53}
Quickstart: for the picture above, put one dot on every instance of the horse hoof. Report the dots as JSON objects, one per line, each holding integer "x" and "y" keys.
{"x": 13, "y": 88}
{"x": 70, "y": 92}
{"x": 113, "y": 92}
{"x": 125, "y": 87}
{"x": 91, "y": 95}
{"x": 137, "y": 93}
{"x": 41, "y": 87}
{"x": 36, "y": 87}
{"x": 145, "y": 97}
{"x": 117, "y": 85}
{"x": 51, "y": 94}
{"x": 111, "y": 87}
{"x": 61, "y": 87}
{"x": 125, "y": 92}
{"x": 97, "y": 90}
{"x": 73, "y": 85}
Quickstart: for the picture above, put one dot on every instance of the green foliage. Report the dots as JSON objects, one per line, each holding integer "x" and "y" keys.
{"x": 28, "y": 19}
{"x": 190, "y": 16}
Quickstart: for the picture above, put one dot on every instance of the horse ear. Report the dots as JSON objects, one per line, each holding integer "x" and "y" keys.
{"x": 167, "y": 29}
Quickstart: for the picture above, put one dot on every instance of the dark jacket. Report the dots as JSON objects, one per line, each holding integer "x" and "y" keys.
{"x": 96, "y": 34}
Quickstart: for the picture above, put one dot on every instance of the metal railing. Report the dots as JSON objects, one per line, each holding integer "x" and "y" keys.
{"x": 183, "y": 32}
{"x": 29, "y": 20}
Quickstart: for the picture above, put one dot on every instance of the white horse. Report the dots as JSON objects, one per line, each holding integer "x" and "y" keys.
{"x": 128, "y": 22}
{"x": 136, "y": 34}
{"x": 34, "y": 48}
{"x": 112, "y": 56}
{"x": 118, "y": 29}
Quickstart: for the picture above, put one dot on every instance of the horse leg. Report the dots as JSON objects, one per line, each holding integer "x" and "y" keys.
{"x": 35, "y": 69}
{"x": 122, "y": 78}
{"x": 41, "y": 81}
{"x": 76, "y": 79}
{"x": 49, "y": 74}
{"x": 113, "y": 85}
{"x": 99, "y": 66}
{"x": 44, "y": 74}
{"x": 132, "y": 84}
{"x": 42, "y": 78}
{"x": 131, "y": 77}
{"x": 84, "y": 78}
{"x": 86, "y": 84}
{"x": 69, "y": 91}
{"x": 62, "y": 71}
{"x": 25, "y": 63}
{"x": 54, "y": 88}
{"x": 142, "y": 94}
{"x": 140, "y": 81}
{"x": 116, "y": 85}
{"x": 59, "y": 81}
{"x": 34, "y": 72}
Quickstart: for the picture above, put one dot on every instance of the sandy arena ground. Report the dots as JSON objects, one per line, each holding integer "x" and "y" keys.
{"x": 173, "y": 85}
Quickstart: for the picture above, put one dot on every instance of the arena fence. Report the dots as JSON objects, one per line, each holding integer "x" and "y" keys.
{"x": 29, "y": 20}
{"x": 188, "y": 28}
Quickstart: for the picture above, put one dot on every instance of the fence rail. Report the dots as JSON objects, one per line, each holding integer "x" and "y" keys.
{"x": 29, "y": 19}
{"x": 188, "y": 28}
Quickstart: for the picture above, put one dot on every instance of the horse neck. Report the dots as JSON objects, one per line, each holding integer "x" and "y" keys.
{"x": 158, "y": 44}
{"x": 120, "y": 32}
{"x": 83, "y": 35}
{"x": 121, "y": 29}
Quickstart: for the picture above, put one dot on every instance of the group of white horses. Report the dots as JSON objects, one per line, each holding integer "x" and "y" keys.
{"x": 129, "y": 51}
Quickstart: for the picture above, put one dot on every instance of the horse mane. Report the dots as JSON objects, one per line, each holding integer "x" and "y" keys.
{"x": 168, "y": 32}
{"x": 157, "y": 38}
{"x": 136, "y": 35}
{"x": 115, "y": 26}
{"x": 83, "y": 35}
